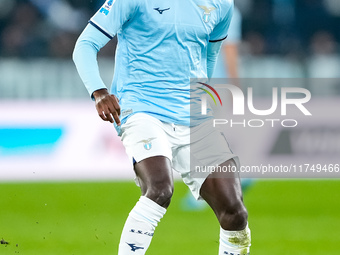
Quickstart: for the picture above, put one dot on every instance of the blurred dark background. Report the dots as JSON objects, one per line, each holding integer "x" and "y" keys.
{"x": 280, "y": 39}
{"x": 49, "y": 28}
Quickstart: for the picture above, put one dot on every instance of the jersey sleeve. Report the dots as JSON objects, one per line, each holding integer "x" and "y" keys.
{"x": 220, "y": 31}
{"x": 235, "y": 29}
{"x": 85, "y": 57}
{"x": 110, "y": 18}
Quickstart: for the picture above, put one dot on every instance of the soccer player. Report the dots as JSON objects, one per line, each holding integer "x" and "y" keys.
{"x": 161, "y": 45}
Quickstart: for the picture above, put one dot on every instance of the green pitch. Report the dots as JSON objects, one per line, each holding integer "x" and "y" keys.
{"x": 286, "y": 217}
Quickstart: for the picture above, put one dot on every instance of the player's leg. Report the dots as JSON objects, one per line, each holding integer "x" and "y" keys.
{"x": 224, "y": 195}
{"x": 156, "y": 182}
{"x": 146, "y": 142}
{"x": 156, "y": 179}
{"x": 221, "y": 190}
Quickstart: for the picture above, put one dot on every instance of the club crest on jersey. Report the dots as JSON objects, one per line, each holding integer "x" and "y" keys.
{"x": 147, "y": 143}
{"x": 207, "y": 12}
{"x": 107, "y": 7}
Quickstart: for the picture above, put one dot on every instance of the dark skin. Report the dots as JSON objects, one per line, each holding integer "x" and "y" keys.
{"x": 222, "y": 193}
{"x": 107, "y": 106}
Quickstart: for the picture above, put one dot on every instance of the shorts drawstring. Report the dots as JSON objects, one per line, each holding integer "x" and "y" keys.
{"x": 173, "y": 126}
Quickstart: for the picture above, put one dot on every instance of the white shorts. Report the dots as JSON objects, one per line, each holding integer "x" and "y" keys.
{"x": 145, "y": 136}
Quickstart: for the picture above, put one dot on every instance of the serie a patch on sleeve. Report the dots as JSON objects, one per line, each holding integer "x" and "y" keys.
{"x": 107, "y": 7}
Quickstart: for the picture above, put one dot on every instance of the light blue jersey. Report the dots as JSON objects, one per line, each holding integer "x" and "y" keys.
{"x": 234, "y": 37}
{"x": 161, "y": 45}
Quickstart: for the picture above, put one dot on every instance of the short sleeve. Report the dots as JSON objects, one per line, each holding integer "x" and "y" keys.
{"x": 220, "y": 31}
{"x": 110, "y": 18}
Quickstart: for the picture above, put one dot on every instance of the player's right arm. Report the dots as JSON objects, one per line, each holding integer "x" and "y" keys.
{"x": 85, "y": 59}
{"x": 101, "y": 29}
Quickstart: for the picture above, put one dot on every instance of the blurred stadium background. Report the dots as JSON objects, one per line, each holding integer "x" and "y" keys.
{"x": 65, "y": 181}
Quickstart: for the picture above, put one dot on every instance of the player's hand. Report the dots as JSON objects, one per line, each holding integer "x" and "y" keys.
{"x": 107, "y": 106}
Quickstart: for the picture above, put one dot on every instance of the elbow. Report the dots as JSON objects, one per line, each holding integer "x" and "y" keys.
{"x": 75, "y": 52}
{"x": 83, "y": 48}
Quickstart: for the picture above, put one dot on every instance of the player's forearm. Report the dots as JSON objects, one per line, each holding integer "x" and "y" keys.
{"x": 212, "y": 55}
{"x": 231, "y": 58}
{"x": 85, "y": 58}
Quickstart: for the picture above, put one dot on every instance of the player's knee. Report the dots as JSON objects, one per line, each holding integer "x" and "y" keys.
{"x": 161, "y": 194}
{"x": 235, "y": 219}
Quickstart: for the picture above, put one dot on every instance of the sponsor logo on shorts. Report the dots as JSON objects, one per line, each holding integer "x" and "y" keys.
{"x": 147, "y": 143}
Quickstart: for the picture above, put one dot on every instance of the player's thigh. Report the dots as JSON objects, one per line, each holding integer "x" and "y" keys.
{"x": 221, "y": 188}
{"x": 155, "y": 177}
{"x": 147, "y": 144}
{"x": 207, "y": 148}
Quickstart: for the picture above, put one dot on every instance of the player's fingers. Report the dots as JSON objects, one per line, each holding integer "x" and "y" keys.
{"x": 104, "y": 113}
{"x": 114, "y": 109}
{"x": 115, "y": 102}
{"x": 114, "y": 114}
{"x": 108, "y": 116}
{"x": 101, "y": 113}
{"x": 116, "y": 118}
{"x": 107, "y": 109}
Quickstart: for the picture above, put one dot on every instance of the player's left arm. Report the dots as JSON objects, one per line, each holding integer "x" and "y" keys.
{"x": 231, "y": 57}
{"x": 231, "y": 45}
{"x": 212, "y": 55}
{"x": 217, "y": 36}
